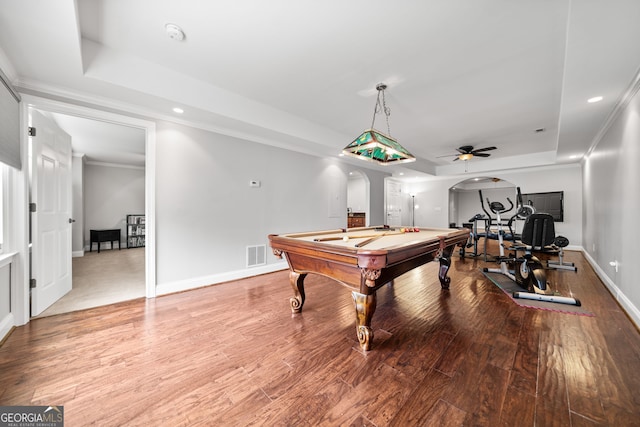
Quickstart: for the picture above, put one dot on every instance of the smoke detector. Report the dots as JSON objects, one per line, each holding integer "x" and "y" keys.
{"x": 174, "y": 32}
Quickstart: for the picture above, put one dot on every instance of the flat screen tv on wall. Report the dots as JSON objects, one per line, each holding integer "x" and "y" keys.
{"x": 551, "y": 203}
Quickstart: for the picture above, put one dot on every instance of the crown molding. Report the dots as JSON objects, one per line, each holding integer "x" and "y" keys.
{"x": 620, "y": 106}
{"x": 114, "y": 165}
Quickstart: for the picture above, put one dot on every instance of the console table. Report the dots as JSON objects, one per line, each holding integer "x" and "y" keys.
{"x": 98, "y": 236}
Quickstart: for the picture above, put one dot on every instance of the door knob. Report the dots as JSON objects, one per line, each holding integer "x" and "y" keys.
{"x": 71, "y": 220}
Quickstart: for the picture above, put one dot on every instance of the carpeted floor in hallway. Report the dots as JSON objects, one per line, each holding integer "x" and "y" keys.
{"x": 103, "y": 278}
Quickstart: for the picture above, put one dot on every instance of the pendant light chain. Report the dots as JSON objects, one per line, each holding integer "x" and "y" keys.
{"x": 381, "y": 108}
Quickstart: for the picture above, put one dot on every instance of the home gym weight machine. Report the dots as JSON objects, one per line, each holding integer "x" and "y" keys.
{"x": 528, "y": 272}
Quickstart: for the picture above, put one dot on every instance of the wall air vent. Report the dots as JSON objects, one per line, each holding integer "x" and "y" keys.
{"x": 256, "y": 255}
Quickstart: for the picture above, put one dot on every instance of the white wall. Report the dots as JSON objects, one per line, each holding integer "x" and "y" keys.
{"x": 611, "y": 206}
{"x": 8, "y": 278}
{"x": 110, "y": 193}
{"x": 207, "y": 214}
{"x": 5, "y": 291}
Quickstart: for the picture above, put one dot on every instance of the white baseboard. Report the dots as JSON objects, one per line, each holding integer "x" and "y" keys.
{"x": 76, "y": 254}
{"x": 626, "y": 304}
{"x": 199, "y": 282}
{"x": 6, "y": 325}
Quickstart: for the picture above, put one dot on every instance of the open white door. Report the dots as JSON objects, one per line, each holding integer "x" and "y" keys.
{"x": 394, "y": 203}
{"x": 51, "y": 221}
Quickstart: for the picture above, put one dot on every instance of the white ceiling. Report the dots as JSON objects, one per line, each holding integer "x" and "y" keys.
{"x": 103, "y": 142}
{"x": 301, "y": 74}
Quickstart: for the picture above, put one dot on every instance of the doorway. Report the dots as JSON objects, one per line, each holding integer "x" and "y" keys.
{"x": 146, "y": 129}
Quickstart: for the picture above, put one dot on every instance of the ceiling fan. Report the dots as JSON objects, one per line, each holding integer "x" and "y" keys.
{"x": 466, "y": 152}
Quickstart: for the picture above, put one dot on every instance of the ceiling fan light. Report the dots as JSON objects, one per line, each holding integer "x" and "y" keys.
{"x": 465, "y": 156}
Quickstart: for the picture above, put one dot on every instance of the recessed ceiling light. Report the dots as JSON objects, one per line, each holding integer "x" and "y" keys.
{"x": 594, "y": 99}
{"x": 178, "y": 110}
{"x": 574, "y": 156}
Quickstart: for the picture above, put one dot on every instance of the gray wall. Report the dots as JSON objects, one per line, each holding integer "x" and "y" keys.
{"x": 611, "y": 206}
{"x": 207, "y": 214}
{"x": 357, "y": 193}
{"x": 376, "y": 197}
{"x": 110, "y": 193}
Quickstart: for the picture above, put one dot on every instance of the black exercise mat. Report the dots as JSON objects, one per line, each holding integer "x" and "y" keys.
{"x": 508, "y": 286}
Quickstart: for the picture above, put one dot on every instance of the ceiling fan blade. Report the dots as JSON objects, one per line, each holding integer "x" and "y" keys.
{"x": 481, "y": 154}
{"x": 447, "y": 155}
{"x": 457, "y": 158}
{"x": 479, "y": 150}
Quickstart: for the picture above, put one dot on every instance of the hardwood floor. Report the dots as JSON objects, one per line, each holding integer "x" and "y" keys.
{"x": 234, "y": 355}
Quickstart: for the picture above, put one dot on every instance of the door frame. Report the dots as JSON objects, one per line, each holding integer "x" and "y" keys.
{"x": 30, "y": 101}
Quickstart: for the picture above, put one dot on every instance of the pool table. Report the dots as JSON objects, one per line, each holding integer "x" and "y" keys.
{"x": 363, "y": 259}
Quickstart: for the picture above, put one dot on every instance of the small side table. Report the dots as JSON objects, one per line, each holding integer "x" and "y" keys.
{"x": 98, "y": 236}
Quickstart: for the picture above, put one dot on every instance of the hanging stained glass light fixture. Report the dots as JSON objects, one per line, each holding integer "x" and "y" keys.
{"x": 375, "y": 146}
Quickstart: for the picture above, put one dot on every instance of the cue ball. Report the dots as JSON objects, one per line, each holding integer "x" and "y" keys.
{"x": 345, "y": 238}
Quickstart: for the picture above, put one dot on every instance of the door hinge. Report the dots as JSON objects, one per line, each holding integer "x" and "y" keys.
{"x": 32, "y": 131}
{"x": 32, "y": 207}
{"x": 32, "y": 283}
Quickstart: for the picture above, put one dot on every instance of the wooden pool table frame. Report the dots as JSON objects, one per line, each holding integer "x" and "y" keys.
{"x": 362, "y": 270}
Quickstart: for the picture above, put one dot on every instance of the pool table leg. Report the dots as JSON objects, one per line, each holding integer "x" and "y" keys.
{"x": 297, "y": 283}
{"x": 445, "y": 263}
{"x": 365, "y": 307}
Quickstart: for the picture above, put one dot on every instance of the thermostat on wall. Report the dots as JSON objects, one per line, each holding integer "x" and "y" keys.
{"x": 254, "y": 183}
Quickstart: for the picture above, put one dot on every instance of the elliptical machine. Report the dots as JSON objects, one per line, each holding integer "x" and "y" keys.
{"x": 528, "y": 271}
{"x": 473, "y": 237}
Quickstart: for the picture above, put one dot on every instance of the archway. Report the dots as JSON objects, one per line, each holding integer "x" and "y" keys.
{"x": 358, "y": 206}
{"x": 464, "y": 199}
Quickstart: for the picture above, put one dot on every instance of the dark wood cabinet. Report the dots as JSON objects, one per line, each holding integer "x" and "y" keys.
{"x": 355, "y": 219}
{"x": 99, "y": 236}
